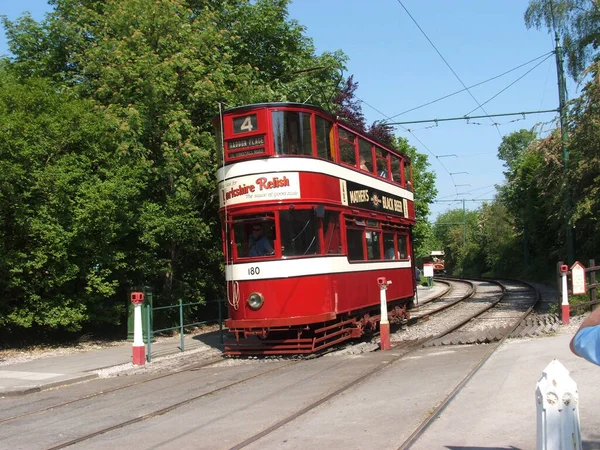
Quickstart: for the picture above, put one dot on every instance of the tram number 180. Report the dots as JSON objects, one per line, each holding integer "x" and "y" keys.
{"x": 254, "y": 270}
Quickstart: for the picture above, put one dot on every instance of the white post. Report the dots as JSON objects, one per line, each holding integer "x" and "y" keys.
{"x": 557, "y": 402}
{"x": 139, "y": 349}
{"x": 384, "y": 324}
{"x": 565, "y": 308}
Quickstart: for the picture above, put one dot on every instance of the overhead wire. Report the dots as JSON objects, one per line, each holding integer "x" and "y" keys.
{"x": 472, "y": 86}
{"x": 511, "y": 84}
{"x": 416, "y": 137}
{"x": 447, "y": 64}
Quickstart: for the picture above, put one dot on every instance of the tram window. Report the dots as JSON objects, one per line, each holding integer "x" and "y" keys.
{"x": 366, "y": 155}
{"x": 402, "y": 247}
{"x": 331, "y": 223}
{"x": 355, "y": 244}
{"x": 254, "y": 236}
{"x": 347, "y": 147}
{"x": 395, "y": 168}
{"x": 408, "y": 175}
{"x": 324, "y": 138}
{"x": 388, "y": 246}
{"x": 292, "y": 133}
{"x": 299, "y": 233}
{"x": 382, "y": 157}
{"x": 373, "y": 247}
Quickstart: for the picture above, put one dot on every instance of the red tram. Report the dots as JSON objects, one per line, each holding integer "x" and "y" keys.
{"x": 313, "y": 212}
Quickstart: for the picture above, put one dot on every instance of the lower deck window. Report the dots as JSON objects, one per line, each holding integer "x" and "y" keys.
{"x": 299, "y": 233}
{"x": 355, "y": 244}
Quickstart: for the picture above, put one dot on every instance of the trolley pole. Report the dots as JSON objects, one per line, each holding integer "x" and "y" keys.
{"x": 139, "y": 349}
{"x": 384, "y": 324}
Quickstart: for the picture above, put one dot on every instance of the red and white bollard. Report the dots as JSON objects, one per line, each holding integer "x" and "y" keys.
{"x": 566, "y": 310}
{"x": 384, "y": 325}
{"x": 139, "y": 349}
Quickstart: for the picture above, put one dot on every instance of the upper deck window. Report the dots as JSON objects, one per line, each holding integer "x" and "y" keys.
{"x": 365, "y": 151}
{"x": 292, "y": 133}
{"x": 325, "y": 147}
{"x": 395, "y": 166}
{"x": 347, "y": 146}
{"x": 383, "y": 159}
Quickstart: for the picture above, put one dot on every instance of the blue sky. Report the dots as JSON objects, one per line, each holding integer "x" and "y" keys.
{"x": 397, "y": 69}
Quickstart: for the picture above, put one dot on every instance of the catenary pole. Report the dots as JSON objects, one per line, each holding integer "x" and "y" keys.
{"x": 562, "y": 99}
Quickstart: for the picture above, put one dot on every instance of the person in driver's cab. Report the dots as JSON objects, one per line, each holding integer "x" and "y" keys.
{"x": 258, "y": 245}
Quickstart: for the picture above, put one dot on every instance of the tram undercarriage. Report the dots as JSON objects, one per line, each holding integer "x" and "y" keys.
{"x": 313, "y": 338}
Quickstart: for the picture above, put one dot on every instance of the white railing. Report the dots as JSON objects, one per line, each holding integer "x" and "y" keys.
{"x": 557, "y": 409}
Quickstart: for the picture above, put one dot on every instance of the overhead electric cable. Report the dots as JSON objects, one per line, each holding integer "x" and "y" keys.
{"x": 511, "y": 84}
{"x": 472, "y": 86}
{"x": 415, "y": 136}
{"x": 447, "y": 64}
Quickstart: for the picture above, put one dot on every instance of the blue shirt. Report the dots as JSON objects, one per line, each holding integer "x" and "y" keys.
{"x": 259, "y": 247}
{"x": 587, "y": 343}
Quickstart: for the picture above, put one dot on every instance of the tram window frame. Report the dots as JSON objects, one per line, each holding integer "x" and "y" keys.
{"x": 382, "y": 160}
{"x": 243, "y": 225}
{"x": 408, "y": 177}
{"x": 373, "y": 242}
{"x": 365, "y": 152}
{"x": 403, "y": 247}
{"x": 325, "y": 142}
{"x": 332, "y": 236}
{"x": 354, "y": 228}
{"x": 389, "y": 252}
{"x": 287, "y": 227}
{"x": 347, "y": 146}
{"x": 292, "y": 133}
{"x": 396, "y": 169}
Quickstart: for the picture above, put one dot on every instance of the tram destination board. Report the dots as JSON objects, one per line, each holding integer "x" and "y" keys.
{"x": 355, "y": 194}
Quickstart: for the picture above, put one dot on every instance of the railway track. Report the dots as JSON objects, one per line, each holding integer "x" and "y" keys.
{"x": 476, "y": 309}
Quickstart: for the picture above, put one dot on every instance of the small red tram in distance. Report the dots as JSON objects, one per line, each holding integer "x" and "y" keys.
{"x": 313, "y": 212}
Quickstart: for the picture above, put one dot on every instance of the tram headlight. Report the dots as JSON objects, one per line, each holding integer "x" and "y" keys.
{"x": 255, "y": 300}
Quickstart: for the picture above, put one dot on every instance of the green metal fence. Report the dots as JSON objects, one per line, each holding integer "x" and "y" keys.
{"x": 181, "y": 327}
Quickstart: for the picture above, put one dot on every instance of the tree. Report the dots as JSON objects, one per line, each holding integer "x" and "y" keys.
{"x": 578, "y": 21}
{"x": 66, "y": 198}
{"x": 513, "y": 146}
{"x": 156, "y": 72}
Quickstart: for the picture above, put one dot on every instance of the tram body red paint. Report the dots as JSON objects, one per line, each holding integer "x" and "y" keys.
{"x": 313, "y": 212}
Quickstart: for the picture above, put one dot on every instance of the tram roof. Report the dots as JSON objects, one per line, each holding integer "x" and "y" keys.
{"x": 250, "y": 107}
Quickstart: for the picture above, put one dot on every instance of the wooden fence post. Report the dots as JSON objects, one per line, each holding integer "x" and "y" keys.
{"x": 557, "y": 403}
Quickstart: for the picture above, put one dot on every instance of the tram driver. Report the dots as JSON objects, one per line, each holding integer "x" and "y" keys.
{"x": 259, "y": 245}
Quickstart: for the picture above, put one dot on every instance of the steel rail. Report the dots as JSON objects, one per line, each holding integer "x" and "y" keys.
{"x": 190, "y": 367}
{"x": 414, "y": 437}
{"x": 166, "y": 409}
{"x": 410, "y": 346}
{"x": 439, "y": 298}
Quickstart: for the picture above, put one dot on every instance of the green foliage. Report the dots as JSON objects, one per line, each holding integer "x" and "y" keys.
{"x": 65, "y": 208}
{"x": 107, "y": 153}
{"x": 577, "y": 21}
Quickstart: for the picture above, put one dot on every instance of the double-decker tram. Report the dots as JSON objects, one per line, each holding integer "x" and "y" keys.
{"x": 313, "y": 212}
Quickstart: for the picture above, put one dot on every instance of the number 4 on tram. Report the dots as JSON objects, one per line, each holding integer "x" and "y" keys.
{"x": 313, "y": 212}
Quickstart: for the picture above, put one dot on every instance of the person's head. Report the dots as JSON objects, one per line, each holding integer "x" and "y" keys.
{"x": 256, "y": 230}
